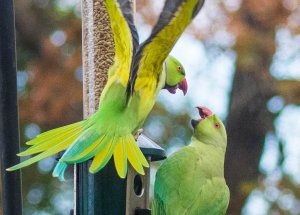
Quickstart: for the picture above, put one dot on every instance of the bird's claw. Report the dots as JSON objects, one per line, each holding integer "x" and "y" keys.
{"x": 138, "y": 133}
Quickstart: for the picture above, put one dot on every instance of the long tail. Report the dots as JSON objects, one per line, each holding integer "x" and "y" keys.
{"x": 83, "y": 141}
{"x": 50, "y": 143}
{"x": 102, "y": 147}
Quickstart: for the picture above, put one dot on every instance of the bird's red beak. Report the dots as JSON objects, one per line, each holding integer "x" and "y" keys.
{"x": 204, "y": 113}
{"x": 183, "y": 86}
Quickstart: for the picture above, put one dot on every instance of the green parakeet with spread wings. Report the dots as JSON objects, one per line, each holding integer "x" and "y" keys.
{"x": 138, "y": 74}
{"x": 191, "y": 181}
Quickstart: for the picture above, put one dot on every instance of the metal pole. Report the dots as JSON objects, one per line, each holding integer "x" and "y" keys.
{"x": 9, "y": 133}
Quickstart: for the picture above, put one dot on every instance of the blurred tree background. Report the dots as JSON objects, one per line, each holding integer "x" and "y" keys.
{"x": 242, "y": 60}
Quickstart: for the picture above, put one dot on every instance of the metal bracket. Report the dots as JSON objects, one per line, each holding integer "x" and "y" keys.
{"x": 140, "y": 211}
{"x": 151, "y": 149}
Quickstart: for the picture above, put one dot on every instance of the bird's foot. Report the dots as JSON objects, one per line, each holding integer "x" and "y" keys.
{"x": 138, "y": 133}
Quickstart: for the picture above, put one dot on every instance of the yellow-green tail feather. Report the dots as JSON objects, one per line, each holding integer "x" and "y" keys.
{"x": 53, "y": 150}
{"x": 120, "y": 158}
{"x": 133, "y": 158}
{"x": 103, "y": 156}
{"x": 84, "y": 141}
{"x": 44, "y": 145}
{"x": 86, "y": 153}
{"x": 48, "y": 135}
{"x": 137, "y": 151}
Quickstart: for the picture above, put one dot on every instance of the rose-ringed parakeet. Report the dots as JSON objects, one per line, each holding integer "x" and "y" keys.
{"x": 138, "y": 74}
{"x": 191, "y": 181}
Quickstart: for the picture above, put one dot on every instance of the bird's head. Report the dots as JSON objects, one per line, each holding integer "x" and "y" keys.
{"x": 175, "y": 76}
{"x": 209, "y": 129}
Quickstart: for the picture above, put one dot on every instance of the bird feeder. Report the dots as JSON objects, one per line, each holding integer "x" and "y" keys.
{"x": 137, "y": 191}
{"x": 104, "y": 192}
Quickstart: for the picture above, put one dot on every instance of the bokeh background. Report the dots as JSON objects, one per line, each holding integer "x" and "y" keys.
{"x": 242, "y": 60}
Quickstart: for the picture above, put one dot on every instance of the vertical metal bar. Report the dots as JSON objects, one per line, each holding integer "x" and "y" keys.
{"x": 9, "y": 133}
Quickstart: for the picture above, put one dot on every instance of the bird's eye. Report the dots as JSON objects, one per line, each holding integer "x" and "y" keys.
{"x": 217, "y": 125}
{"x": 179, "y": 68}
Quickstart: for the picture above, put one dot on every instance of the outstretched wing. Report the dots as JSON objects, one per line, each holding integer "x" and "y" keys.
{"x": 125, "y": 35}
{"x": 148, "y": 62}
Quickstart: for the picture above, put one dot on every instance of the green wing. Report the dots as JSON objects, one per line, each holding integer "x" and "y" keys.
{"x": 148, "y": 62}
{"x": 170, "y": 177}
{"x": 125, "y": 35}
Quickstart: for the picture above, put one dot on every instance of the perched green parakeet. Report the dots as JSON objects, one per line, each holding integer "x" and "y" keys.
{"x": 191, "y": 181}
{"x": 138, "y": 74}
